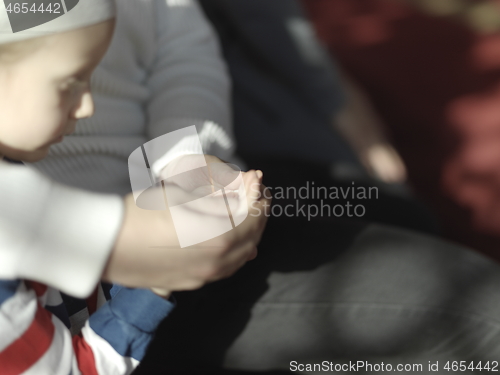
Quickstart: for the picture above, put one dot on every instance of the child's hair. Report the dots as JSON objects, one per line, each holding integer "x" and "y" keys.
{"x": 13, "y": 52}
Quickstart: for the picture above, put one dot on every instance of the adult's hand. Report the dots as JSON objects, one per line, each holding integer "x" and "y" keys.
{"x": 147, "y": 253}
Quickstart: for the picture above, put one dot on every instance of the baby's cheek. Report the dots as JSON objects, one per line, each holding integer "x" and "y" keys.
{"x": 19, "y": 135}
{"x": 55, "y": 121}
{"x": 43, "y": 130}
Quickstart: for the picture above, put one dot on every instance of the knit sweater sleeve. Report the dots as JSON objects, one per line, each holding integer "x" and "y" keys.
{"x": 54, "y": 234}
{"x": 189, "y": 82}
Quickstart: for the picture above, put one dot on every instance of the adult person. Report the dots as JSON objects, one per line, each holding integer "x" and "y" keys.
{"x": 364, "y": 290}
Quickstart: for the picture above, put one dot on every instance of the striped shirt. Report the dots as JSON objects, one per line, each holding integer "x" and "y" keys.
{"x": 38, "y": 336}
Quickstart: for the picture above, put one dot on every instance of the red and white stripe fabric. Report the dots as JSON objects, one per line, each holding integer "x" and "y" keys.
{"x": 35, "y": 342}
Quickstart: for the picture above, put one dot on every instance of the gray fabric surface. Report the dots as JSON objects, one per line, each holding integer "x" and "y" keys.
{"x": 338, "y": 292}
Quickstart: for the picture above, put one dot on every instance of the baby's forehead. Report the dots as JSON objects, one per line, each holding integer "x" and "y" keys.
{"x": 14, "y": 52}
{"x": 53, "y": 58}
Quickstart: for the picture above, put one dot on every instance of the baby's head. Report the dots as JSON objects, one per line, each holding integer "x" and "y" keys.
{"x": 45, "y": 83}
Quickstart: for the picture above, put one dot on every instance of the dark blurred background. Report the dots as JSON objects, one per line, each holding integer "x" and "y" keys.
{"x": 432, "y": 70}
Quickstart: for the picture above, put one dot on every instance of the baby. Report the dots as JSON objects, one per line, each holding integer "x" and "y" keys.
{"x": 56, "y": 237}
